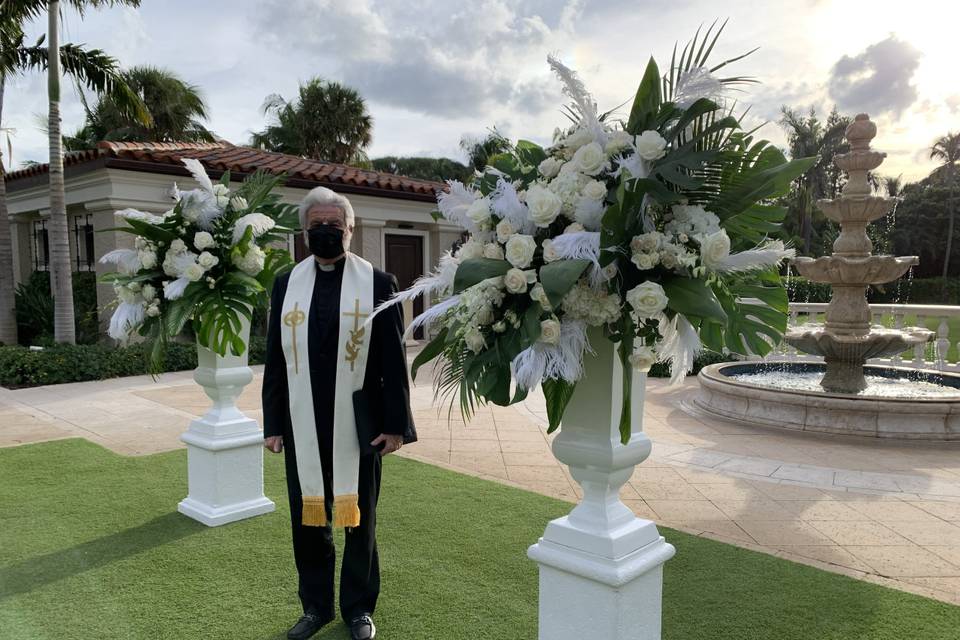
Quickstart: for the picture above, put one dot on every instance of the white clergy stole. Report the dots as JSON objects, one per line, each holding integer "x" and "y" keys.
{"x": 356, "y": 303}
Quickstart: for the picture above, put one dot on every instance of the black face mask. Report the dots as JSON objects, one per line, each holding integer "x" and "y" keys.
{"x": 325, "y": 241}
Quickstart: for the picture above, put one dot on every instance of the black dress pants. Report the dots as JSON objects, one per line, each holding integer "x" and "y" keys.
{"x": 313, "y": 547}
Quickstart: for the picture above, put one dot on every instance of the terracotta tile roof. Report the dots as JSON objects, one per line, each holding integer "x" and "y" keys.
{"x": 217, "y": 157}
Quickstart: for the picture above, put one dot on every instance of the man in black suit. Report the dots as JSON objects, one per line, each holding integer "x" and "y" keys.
{"x": 327, "y": 220}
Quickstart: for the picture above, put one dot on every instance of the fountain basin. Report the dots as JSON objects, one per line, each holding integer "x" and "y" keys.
{"x": 879, "y": 343}
{"x": 846, "y": 270}
{"x": 728, "y": 390}
{"x": 856, "y": 209}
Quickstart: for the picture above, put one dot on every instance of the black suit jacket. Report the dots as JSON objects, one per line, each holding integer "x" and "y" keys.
{"x": 386, "y": 383}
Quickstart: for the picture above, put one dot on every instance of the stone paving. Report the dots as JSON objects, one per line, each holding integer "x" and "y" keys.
{"x": 879, "y": 511}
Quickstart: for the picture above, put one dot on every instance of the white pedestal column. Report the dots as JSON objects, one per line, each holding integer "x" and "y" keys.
{"x": 601, "y": 567}
{"x": 224, "y": 447}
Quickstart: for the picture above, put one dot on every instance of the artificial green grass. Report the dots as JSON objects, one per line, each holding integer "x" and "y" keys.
{"x": 91, "y": 546}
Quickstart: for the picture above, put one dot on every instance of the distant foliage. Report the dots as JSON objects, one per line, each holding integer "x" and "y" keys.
{"x": 437, "y": 169}
{"x": 34, "y": 305}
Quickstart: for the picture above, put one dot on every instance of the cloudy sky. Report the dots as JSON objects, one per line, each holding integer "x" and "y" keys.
{"x": 433, "y": 71}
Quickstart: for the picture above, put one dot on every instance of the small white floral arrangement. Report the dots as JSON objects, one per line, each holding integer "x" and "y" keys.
{"x": 653, "y": 230}
{"x": 210, "y": 259}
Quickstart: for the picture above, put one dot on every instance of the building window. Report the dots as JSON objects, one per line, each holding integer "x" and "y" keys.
{"x": 83, "y": 242}
{"x": 41, "y": 246}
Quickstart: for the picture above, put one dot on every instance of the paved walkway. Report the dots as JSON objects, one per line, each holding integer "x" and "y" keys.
{"x": 879, "y": 511}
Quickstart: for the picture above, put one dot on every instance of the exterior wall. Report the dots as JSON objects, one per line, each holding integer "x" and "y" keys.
{"x": 103, "y": 191}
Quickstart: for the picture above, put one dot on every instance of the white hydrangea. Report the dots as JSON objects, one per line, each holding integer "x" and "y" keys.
{"x": 676, "y": 256}
{"x": 148, "y": 259}
{"x": 594, "y": 307}
{"x": 618, "y": 141}
{"x": 648, "y": 299}
{"x": 469, "y": 250}
{"x": 250, "y": 262}
{"x": 692, "y": 220}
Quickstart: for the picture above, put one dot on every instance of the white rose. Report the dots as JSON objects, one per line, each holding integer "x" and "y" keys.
{"x": 500, "y": 326}
{"x": 479, "y": 211}
{"x": 550, "y": 167}
{"x": 148, "y": 259}
{"x": 714, "y": 249}
{"x": 590, "y": 159}
{"x": 646, "y": 242}
{"x": 643, "y": 358}
{"x": 577, "y": 139}
{"x": 520, "y": 250}
{"x": 193, "y": 272}
{"x": 469, "y": 250}
{"x": 651, "y": 145}
{"x": 645, "y": 261}
{"x": 574, "y": 227}
{"x": 134, "y": 286}
{"x": 549, "y": 251}
{"x": 493, "y": 251}
{"x": 178, "y": 246}
{"x": 550, "y": 331}
{"x": 515, "y": 280}
{"x": 544, "y": 205}
{"x": 474, "y": 339}
{"x": 485, "y": 315}
{"x": 220, "y": 190}
{"x": 202, "y": 240}
{"x": 595, "y": 190}
{"x": 647, "y": 299}
{"x": 539, "y": 295}
{"x": 223, "y": 201}
{"x": 239, "y": 203}
{"x": 149, "y": 292}
{"x": 207, "y": 260}
{"x": 153, "y": 311}
{"x": 504, "y": 230}
{"x": 610, "y": 271}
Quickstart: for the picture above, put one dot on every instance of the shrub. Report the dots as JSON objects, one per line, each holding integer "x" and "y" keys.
{"x": 62, "y": 363}
{"x": 799, "y": 289}
{"x": 34, "y": 305}
{"x": 706, "y": 357}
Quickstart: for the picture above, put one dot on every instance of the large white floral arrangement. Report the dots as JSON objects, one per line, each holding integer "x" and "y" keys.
{"x": 210, "y": 259}
{"x": 653, "y": 229}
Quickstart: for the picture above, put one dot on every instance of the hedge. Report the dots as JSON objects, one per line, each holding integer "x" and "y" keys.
{"x": 21, "y": 367}
{"x": 916, "y": 291}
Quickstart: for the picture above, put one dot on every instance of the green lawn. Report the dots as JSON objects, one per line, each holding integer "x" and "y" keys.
{"x": 92, "y": 547}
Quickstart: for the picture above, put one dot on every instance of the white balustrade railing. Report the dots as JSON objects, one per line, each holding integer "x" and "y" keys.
{"x": 932, "y": 355}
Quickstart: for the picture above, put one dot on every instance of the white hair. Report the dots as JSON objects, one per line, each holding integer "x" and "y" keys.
{"x": 324, "y": 196}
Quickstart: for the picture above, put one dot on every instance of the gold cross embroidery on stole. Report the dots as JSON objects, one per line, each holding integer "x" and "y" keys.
{"x": 356, "y": 334}
{"x": 292, "y": 319}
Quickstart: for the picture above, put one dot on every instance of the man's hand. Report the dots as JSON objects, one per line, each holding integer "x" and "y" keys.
{"x": 274, "y": 443}
{"x": 393, "y": 443}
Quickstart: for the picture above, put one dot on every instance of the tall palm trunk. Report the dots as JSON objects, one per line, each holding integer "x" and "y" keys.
{"x": 60, "y": 283}
{"x": 8, "y": 319}
{"x": 950, "y": 215}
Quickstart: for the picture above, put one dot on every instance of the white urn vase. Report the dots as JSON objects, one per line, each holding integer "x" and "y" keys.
{"x": 601, "y": 567}
{"x": 224, "y": 446}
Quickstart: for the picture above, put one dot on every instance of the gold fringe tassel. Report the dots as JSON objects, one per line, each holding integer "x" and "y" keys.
{"x": 314, "y": 513}
{"x": 346, "y": 511}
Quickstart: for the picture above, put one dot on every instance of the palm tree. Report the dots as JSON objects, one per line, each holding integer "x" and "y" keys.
{"x": 176, "y": 109}
{"x": 479, "y": 151}
{"x": 807, "y": 136}
{"x": 947, "y": 150}
{"x": 892, "y": 185}
{"x": 90, "y": 67}
{"x": 327, "y": 122}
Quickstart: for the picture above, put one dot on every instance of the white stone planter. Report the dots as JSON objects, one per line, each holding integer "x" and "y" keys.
{"x": 601, "y": 567}
{"x": 224, "y": 447}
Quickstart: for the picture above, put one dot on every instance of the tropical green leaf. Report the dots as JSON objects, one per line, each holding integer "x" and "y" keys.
{"x": 646, "y": 103}
{"x": 476, "y": 270}
{"x": 559, "y": 277}
{"x": 557, "y": 394}
{"x": 530, "y": 153}
{"x": 693, "y": 297}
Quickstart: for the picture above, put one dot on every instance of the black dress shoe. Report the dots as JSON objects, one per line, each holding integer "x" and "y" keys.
{"x": 306, "y": 626}
{"x": 361, "y": 628}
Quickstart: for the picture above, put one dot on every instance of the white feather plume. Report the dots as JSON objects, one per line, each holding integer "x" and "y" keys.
{"x": 578, "y": 245}
{"x": 589, "y": 212}
{"x": 506, "y": 203}
{"x": 134, "y": 214}
{"x": 195, "y": 167}
{"x": 633, "y": 163}
{"x": 574, "y": 88}
{"x": 127, "y": 260}
{"x": 175, "y": 288}
{"x": 767, "y": 254}
{"x": 697, "y": 83}
{"x": 561, "y": 361}
{"x": 679, "y": 347}
{"x": 453, "y": 204}
{"x": 431, "y": 315}
{"x": 437, "y": 283}
{"x": 125, "y": 320}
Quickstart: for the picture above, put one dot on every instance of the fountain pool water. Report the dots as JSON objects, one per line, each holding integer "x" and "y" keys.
{"x": 844, "y": 394}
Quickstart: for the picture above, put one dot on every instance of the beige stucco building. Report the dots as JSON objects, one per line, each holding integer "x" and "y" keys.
{"x": 394, "y": 229}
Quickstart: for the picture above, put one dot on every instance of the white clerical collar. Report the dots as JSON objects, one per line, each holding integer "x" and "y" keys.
{"x": 327, "y": 267}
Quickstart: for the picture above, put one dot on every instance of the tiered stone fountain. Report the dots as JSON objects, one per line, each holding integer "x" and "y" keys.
{"x": 844, "y": 395}
{"x": 846, "y": 341}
